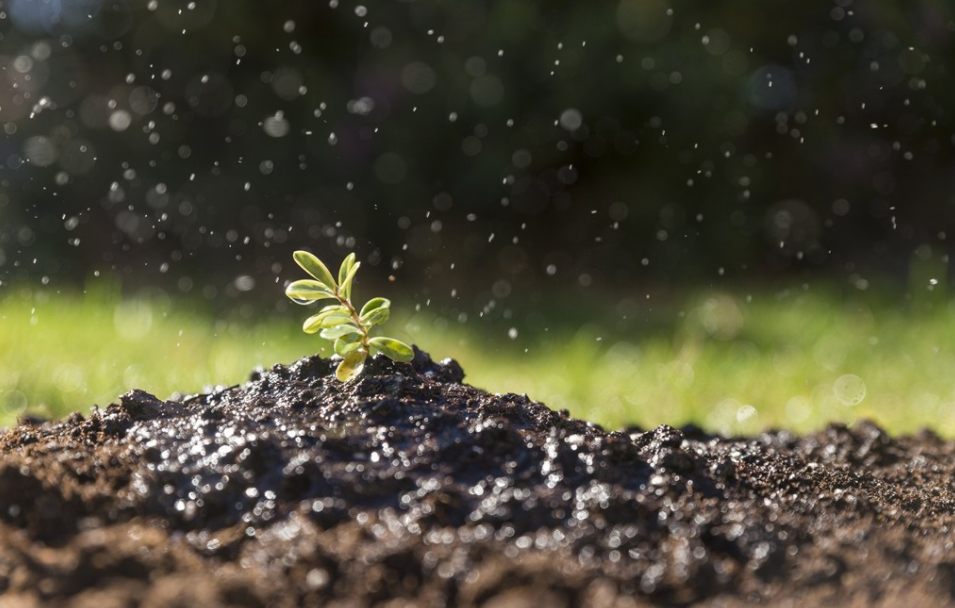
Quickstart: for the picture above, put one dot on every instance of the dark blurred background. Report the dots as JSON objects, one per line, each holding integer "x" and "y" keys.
{"x": 475, "y": 150}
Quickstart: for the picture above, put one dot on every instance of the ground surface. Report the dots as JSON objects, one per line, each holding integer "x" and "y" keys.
{"x": 408, "y": 488}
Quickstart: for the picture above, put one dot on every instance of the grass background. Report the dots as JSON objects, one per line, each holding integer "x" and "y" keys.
{"x": 732, "y": 361}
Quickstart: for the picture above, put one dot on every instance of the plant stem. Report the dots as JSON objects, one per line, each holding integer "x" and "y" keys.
{"x": 357, "y": 318}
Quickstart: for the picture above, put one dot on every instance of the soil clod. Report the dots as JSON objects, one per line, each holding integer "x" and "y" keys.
{"x": 408, "y": 487}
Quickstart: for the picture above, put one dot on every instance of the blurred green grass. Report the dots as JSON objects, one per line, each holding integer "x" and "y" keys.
{"x": 727, "y": 360}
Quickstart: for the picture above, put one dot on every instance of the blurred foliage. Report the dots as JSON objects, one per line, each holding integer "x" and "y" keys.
{"x": 475, "y": 149}
{"x": 734, "y": 361}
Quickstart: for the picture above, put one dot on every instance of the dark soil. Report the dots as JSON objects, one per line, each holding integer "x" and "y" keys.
{"x": 406, "y": 487}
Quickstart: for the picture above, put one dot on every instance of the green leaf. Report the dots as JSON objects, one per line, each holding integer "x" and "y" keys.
{"x": 307, "y": 291}
{"x": 374, "y": 303}
{"x": 313, "y": 323}
{"x": 337, "y": 318}
{"x": 375, "y": 316}
{"x": 347, "y": 344}
{"x": 326, "y": 319}
{"x": 338, "y": 331}
{"x": 345, "y": 288}
{"x": 393, "y": 349}
{"x": 314, "y": 266}
{"x": 351, "y": 365}
{"x": 346, "y": 266}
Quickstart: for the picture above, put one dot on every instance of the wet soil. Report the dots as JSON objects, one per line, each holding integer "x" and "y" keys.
{"x": 407, "y": 487}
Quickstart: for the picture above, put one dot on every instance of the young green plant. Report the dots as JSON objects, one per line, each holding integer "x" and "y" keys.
{"x": 342, "y": 323}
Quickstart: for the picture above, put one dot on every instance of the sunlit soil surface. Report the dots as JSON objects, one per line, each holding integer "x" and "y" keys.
{"x": 730, "y": 362}
{"x": 405, "y": 487}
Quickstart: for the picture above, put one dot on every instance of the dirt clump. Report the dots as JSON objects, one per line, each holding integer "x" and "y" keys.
{"x": 406, "y": 487}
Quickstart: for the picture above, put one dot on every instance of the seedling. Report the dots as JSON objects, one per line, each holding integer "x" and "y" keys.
{"x": 343, "y": 324}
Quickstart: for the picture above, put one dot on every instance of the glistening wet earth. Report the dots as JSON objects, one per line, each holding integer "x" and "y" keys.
{"x": 406, "y": 487}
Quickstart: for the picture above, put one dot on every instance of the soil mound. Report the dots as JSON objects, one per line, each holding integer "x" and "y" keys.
{"x": 407, "y": 487}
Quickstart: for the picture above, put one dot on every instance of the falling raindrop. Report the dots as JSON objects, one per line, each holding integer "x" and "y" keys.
{"x": 571, "y": 119}
{"x": 745, "y": 414}
{"x": 276, "y": 126}
{"x": 849, "y": 389}
{"x": 120, "y": 120}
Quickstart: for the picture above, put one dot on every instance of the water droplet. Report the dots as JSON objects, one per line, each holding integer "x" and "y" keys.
{"x": 745, "y": 413}
{"x": 571, "y": 119}
{"x": 120, "y": 120}
{"x": 276, "y": 126}
{"x": 40, "y": 151}
{"x": 849, "y": 389}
